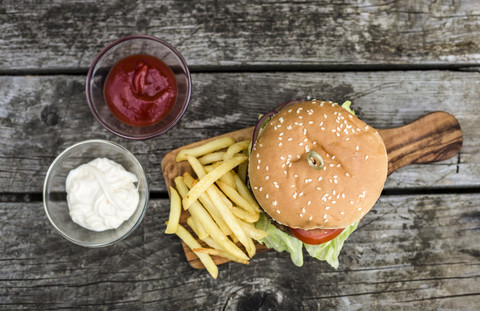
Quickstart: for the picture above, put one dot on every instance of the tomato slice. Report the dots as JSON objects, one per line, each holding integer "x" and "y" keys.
{"x": 316, "y": 236}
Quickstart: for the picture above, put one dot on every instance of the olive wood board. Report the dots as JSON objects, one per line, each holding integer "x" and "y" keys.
{"x": 434, "y": 137}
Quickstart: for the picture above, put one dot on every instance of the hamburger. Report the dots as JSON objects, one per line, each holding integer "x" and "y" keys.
{"x": 316, "y": 170}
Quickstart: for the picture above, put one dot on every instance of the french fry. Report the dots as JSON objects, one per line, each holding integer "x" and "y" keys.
{"x": 175, "y": 211}
{"x": 242, "y": 169}
{"x": 211, "y": 242}
{"x": 227, "y": 178}
{"x": 199, "y": 212}
{"x": 206, "y": 181}
{"x": 193, "y": 244}
{"x": 209, "y": 206}
{"x": 197, "y": 228}
{"x": 245, "y": 193}
{"x": 204, "y": 149}
{"x": 231, "y": 220}
{"x": 236, "y": 198}
{"x": 252, "y": 231}
{"x": 244, "y": 215}
{"x": 236, "y": 148}
{"x": 216, "y": 252}
{"x": 212, "y": 157}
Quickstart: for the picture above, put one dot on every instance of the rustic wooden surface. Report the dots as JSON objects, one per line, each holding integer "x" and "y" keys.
{"x": 396, "y": 60}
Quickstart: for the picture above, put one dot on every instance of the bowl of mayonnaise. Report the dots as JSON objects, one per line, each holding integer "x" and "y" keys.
{"x": 95, "y": 193}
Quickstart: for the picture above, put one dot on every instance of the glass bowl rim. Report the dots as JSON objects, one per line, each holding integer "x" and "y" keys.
{"x": 48, "y": 176}
{"x": 103, "y": 52}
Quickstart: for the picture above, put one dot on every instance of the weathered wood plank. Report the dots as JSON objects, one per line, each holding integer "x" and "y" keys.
{"x": 42, "y": 115}
{"x": 50, "y": 35}
{"x": 410, "y": 252}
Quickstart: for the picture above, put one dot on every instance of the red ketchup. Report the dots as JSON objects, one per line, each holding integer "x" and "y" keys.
{"x": 140, "y": 90}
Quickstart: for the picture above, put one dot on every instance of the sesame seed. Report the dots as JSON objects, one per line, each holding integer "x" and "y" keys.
{"x": 310, "y": 122}
{"x": 338, "y": 165}
{"x": 333, "y": 157}
{"x": 327, "y": 207}
{"x": 318, "y": 188}
{"x": 341, "y": 213}
{"x": 325, "y": 115}
{"x": 366, "y": 157}
{"x": 274, "y": 203}
{"x": 343, "y": 196}
{"x": 331, "y": 165}
{"x": 279, "y": 138}
{"x": 267, "y": 177}
{"x": 257, "y": 155}
{"x": 366, "y": 127}
{"x": 325, "y": 216}
{"x": 310, "y": 218}
{"x": 300, "y": 144}
{"x": 321, "y": 123}
{"x": 290, "y": 139}
{"x": 325, "y": 220}
{"x": 305, "y": 140}
{"x": 347, "y": 174}
{"x": 300, "y": 194}
{"x": 296, "y": 176}
{"x": 320, "y": 178}
{"x": 266, "y": 168}
{"x": 295, "y": 195}
{"x": 300, "y": 215}
{"x": 278, "y": 211}
{"x": 347, "y": 138}
{"x": 356, "y": 148}
{"x": 260, "y": 189}
{"x": 322, "y": 128}
{"x": 335, "y": 181}
{"x": 280, "y": 144}
{"x": 303, "y": 209}
{"x": 309, "y": 203}
{"x": 338, "y": 134}
{"x": 359, "y": 209}
{"x": 351, "y": 202}
{"x": 285, "y": 172}
{"x": 280, "y": 119}
{"x": 289, "y": 127}
{"x": 328, "y": 155}
{"x": 266, "y": 196}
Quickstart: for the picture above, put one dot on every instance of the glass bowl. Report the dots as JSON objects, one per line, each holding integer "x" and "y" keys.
{"x": 55, "y": 197}
{"x": 118, "y": 50}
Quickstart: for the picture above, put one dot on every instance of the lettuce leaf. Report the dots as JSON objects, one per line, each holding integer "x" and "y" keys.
{"x": 346, "y": 106}
{"x": 329, "y": 251}
{"x": 282, "y": 241}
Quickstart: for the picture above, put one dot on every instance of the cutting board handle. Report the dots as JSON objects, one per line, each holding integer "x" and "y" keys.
{"x": 434, "y": 137}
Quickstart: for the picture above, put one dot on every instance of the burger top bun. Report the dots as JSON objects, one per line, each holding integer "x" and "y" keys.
{"x": 293, "y": 190}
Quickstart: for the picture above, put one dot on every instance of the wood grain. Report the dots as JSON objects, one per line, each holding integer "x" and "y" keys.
{"x": 432, "y": 138}
{"x": 412, "y": 251}
{"x": 53, "y": 36}
{"x": 40, "y": 116}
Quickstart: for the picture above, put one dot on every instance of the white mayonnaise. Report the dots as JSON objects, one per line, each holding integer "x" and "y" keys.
{"x": 101, "y": 194}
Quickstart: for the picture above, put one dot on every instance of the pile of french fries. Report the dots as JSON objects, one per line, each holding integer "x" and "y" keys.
{"x": 222, "y": 210}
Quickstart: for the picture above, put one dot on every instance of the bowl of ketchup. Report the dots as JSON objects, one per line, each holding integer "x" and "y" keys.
{"x": 138, "y": 87}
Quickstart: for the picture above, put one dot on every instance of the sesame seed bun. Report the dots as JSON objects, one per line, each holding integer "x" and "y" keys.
{"x": 294, "y": 193}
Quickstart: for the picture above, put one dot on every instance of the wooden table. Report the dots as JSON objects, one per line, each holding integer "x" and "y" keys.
{"x": 396, "y": 60}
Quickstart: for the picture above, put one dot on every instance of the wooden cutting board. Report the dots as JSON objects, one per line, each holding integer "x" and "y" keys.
{"x": 434, "y": 137}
